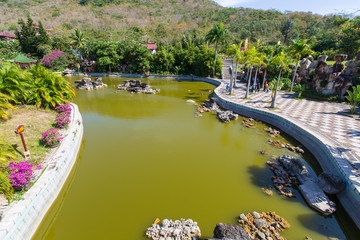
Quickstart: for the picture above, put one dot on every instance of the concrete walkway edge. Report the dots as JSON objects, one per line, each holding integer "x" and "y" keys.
{"x": 23, "y": 217}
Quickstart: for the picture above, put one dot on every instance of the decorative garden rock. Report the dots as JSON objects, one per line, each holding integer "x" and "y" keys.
{"x": 308, "y": 187}
{"x": 229, "y": 231}
{"x": 226, "y": 116}
{"x": 329, "y": 79}
{"x": 273, "y": 132}
{"x": 247, "y": 122}
{"x": 174, "y": 230}
{"x": 331, "y": 183}
{"x": 87, "y": 84}
{"x": 136, "y": 86}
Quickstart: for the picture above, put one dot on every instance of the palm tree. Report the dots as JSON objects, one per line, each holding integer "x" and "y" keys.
{"x": 78, "y": 39}
{"x": 218, "y": 34}
{"x": 235, "y": 50}
{"x": 267, "y": 60}
{"x": 281, "y": 62}
{"x": 249, "y": 56}
{"x": 258, "y": 62}
{"x": 298, "y": 48}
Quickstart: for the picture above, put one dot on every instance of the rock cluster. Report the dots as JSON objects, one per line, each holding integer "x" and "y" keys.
{"x": 87, "y": 84}
{"x": 208, "y": 105}
{"x": 279, "y": 144}
{"x": 282, "y": 180}
{"x": 226, "y": 116}
{"x": 174, "y": 230}
{"x": 273, "y": 132}
{"x": 308, "y": 186}
{"x": 329, "y": 79}
{"x": 136, "y": 86}
{"x": 265, "y": 225}
{"x": 247, "y": 122}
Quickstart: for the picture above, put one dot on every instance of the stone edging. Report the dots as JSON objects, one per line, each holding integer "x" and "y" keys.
{"x": 22, "y": 218}
{"x": 326, "y": 150}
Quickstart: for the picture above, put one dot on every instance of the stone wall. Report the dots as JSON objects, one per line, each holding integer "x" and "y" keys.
{"x": 22, "y": 218}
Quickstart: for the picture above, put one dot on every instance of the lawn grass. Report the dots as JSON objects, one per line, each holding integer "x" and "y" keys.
{"x": 35, "y": 121}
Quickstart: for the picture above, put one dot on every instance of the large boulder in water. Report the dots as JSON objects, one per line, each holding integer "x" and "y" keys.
{"x": 331, "y": 183}
{"x": 229, "y": 231}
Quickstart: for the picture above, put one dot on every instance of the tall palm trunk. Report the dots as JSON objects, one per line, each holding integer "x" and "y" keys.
{"x": 254, "y": 83}
{"x": 248, "y": 83}
{"x": 293, "y": 78}
{"x": 264, "y": 79}
{"x": 236, "y": 71}
{"x": 277, "y": 85}
{"x": 215, "y": 59}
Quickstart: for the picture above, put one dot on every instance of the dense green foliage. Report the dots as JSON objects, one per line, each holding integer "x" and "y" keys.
{"x": 35, "y": 86}
{"x": 33, "y": 41}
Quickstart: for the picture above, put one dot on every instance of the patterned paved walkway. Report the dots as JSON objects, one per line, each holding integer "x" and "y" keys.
{"x": 328, "y": 118}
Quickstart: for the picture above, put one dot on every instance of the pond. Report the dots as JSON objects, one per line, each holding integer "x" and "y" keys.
{"x": 147, "y": 156}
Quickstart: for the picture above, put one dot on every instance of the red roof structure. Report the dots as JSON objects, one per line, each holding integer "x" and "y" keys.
{"x": 5, "y": 35}
{"x": 150, "y": 46}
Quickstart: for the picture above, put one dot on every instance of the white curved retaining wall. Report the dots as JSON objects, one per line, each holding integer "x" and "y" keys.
{"x": 326, "y": 150}
{"x": 23, "y": 217}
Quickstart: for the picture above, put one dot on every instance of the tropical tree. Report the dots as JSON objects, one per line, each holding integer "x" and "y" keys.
{"x": 299, "y": 47}
{"x": 258, "y": 62}
{"x": 49, "y": 89}
{"x": 236, "y": 52}
{"x": 30, "y": 40}
{"x": 78, "y": 39}
{"x": 249, "y": 56}
{"x": 353, "y": 97}
{"x": 349, "y": 37}
{"x": 280, "y": 62}
{"x": 218, "y": 34}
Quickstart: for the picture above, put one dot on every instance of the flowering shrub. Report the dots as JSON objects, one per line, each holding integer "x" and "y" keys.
{"x": 64, "y": 108}
{"x": 51, "y": 137}
{"x": 62, "y": 120}
{"x": 63, "y": 117}
{"x": 57, "y": 60}
{"x": 20, "y": 174}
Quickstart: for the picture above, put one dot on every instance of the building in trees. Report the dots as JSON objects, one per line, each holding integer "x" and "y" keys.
{"x": 151, "y": 46}
{"x": 23, "y": 61}
{"x": 7, "y": 36}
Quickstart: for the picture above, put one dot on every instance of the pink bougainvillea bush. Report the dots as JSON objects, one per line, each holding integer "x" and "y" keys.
{"x": 57, "y": 60}
{"x": 64, "y": 108}
{"x": 20, "y": 174}
{"x": 51, "y": 137}
{"x": 63, "y": 117}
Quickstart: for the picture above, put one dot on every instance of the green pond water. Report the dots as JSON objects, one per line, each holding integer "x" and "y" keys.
{"x": 146, "y": 156}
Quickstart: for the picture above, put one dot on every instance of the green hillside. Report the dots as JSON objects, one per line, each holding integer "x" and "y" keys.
{"x": 160, "y": 20}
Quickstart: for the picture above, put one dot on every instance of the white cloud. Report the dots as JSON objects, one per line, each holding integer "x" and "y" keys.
{"x": 231, "y": 3}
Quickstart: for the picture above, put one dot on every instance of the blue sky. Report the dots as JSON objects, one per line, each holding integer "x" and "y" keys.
{"x": 315, "y": 6}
